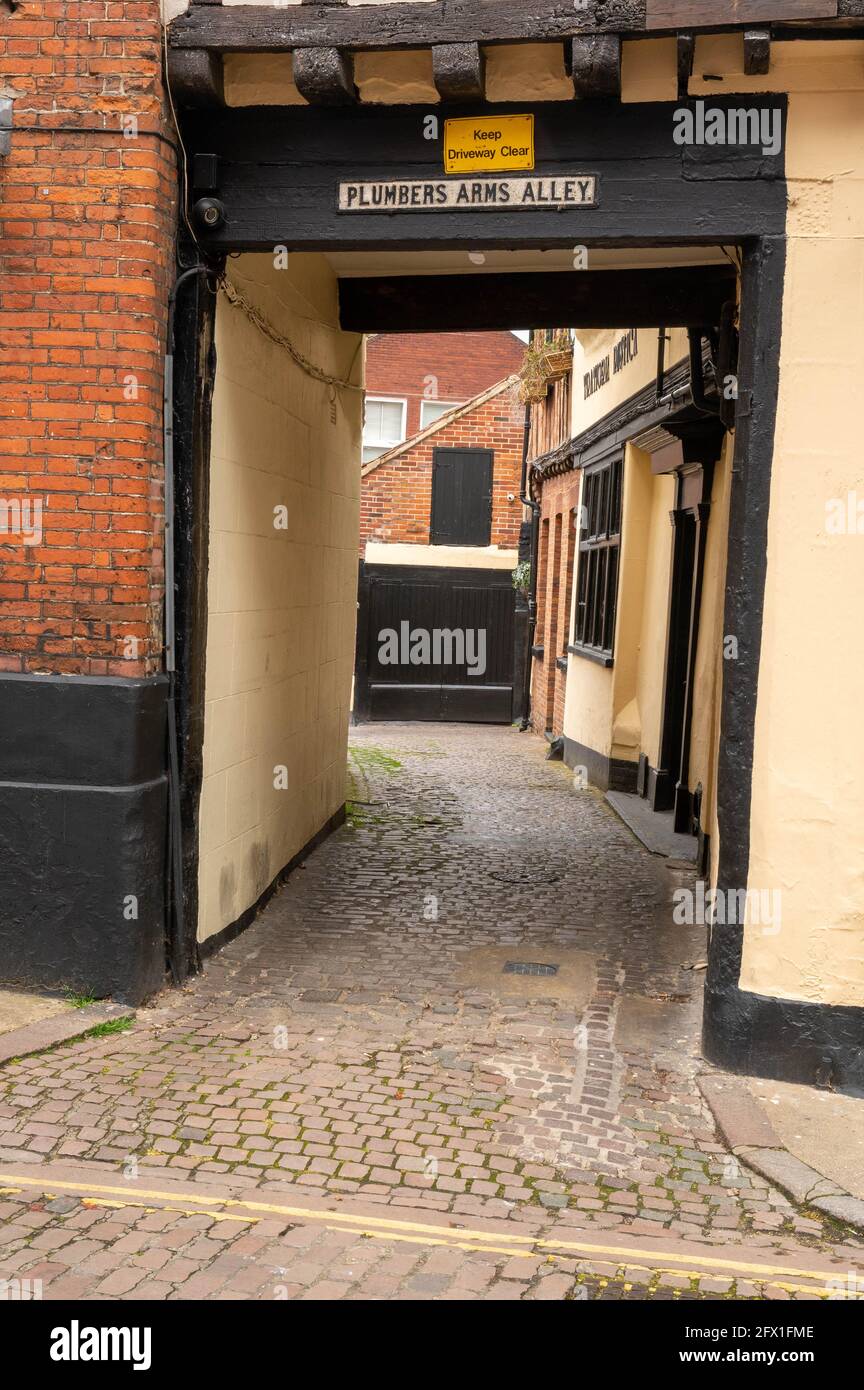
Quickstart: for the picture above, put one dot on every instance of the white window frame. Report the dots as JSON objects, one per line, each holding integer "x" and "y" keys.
{"x": 403, "y": 421}
{"x": 450, "y": 405}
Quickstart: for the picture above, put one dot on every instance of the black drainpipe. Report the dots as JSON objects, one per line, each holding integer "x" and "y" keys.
{"x": 528, "y": 501}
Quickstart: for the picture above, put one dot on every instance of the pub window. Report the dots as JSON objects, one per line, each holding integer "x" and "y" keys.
{"x": 599, "y": 544}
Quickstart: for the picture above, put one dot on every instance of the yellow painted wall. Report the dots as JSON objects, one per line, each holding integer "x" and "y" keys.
{"x": 514, "y": 72}
{"x": 593, "y": 344}
{"x": 807, "y": 812}
{"x": 282, "y": 603}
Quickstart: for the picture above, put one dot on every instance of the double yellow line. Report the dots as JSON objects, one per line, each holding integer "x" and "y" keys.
{"x": 511, "y": 1245}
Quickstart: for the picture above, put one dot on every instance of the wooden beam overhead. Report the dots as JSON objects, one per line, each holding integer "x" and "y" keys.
{"x": 596, "y": 65}
{"x": 459, "y": 71}
{"x": 273, "y": 28}
{"x": 687, "y": 296}
{"x": 325, "y": 76}
{"x": 757, "y": 51}
{"x": 720, "y": 14}
{"x": 195, "y": 78}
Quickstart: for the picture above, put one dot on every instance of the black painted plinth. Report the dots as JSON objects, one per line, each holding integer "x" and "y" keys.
{"x": 83, "y": 817}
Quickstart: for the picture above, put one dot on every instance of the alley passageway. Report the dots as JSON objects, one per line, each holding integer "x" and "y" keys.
{"x": 362, "y": 1097}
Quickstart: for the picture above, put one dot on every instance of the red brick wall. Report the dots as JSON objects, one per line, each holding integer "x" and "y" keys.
{"x": 555, "y": 571}
{"x": 397, "y": 364}
{"x": 86, "y": 258}
{"x": 396, "y": 497}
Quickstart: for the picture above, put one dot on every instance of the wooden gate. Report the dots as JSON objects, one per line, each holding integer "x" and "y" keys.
{"x": 435, "y": 644}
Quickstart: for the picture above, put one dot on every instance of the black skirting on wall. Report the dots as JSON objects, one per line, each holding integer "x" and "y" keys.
{"x": 784, "y": 1039}
{"x": 83, "y": 832}
{"x": 610, "y": 774}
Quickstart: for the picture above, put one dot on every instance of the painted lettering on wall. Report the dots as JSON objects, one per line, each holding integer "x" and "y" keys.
{"x": 622, "y": 352}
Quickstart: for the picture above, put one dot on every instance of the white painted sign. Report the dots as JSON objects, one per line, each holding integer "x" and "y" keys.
{"x": 469, "y": 194}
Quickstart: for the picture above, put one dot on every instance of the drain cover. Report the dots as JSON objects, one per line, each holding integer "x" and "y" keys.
{"x": 528, "y": 967}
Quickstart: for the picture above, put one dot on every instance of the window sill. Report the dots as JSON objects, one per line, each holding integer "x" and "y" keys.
{"x": 561, "y": 663}
{"x": 591, "y": 654}
{"x": 537, "y": 653}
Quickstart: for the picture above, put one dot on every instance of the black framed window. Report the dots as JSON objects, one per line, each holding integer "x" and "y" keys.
{"x": 599, "y": 546}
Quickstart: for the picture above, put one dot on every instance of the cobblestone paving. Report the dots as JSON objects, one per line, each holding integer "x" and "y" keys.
{"x": 361, "y": 1042}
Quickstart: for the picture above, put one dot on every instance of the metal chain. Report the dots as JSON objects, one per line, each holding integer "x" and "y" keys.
{"x": 234, "y": 296}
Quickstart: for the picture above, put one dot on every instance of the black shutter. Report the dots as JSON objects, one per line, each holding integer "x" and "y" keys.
{"x": 461, "y": 497}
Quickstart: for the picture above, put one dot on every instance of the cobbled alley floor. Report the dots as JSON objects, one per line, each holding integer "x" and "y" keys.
{"x": 361, "y": 1098}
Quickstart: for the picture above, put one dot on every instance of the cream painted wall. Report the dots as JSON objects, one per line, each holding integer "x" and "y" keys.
{"x": 282, "y": 602}
{"x": 807, "y": 810}
{"x": 487, "y": 557}
{"x": 649, "y": 70}
{"x": 514, "y": 72}
{"x": 592, "y": 345}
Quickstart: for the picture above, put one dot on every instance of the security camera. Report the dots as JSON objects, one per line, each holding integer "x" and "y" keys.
{"x": 210, "y": 213}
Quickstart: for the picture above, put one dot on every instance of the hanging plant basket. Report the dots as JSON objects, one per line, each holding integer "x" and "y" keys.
{"x": 544, "y": 363}
{"x": 533, "y": 383}
{"x": 533, "y": 389}
{"x": 557, "y": 362}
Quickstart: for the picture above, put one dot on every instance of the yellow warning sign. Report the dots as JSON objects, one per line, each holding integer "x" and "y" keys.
{"x": 477, "y": 144}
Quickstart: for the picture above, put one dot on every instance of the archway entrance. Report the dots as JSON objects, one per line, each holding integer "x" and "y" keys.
{"x": 615, "y": 227}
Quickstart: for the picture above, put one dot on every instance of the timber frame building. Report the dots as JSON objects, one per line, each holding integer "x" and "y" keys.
{"x": 191, "y": 256}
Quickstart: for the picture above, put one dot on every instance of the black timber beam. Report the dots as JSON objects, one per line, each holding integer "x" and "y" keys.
{"x": 723, "y": 14}
{"x": 686, "y": 296}
{"x": 757, "y": 51}
{"x": 595, "y": 65}
{"x": 278, "y": 172}
{"x": 195, "y": 78}
{"x": 270, "y": 28}
{"x": 325, "y": 76}
{"x": 459, "y": 71}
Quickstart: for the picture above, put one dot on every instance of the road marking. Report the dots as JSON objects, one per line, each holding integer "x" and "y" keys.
{"x": 705, "y": 1266}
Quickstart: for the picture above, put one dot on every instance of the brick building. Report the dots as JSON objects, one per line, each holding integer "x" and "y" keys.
{"x": 396, "y": 491}
{"x": 440, "y": 518}
{"x": 556, "y": 501}
{"x": 414, "y": 378}
{"x": 558, "y": 537}
{"x": 89, "y": 198}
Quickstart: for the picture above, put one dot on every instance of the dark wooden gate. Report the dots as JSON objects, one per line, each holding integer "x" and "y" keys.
{"x": 410, "y": 600}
